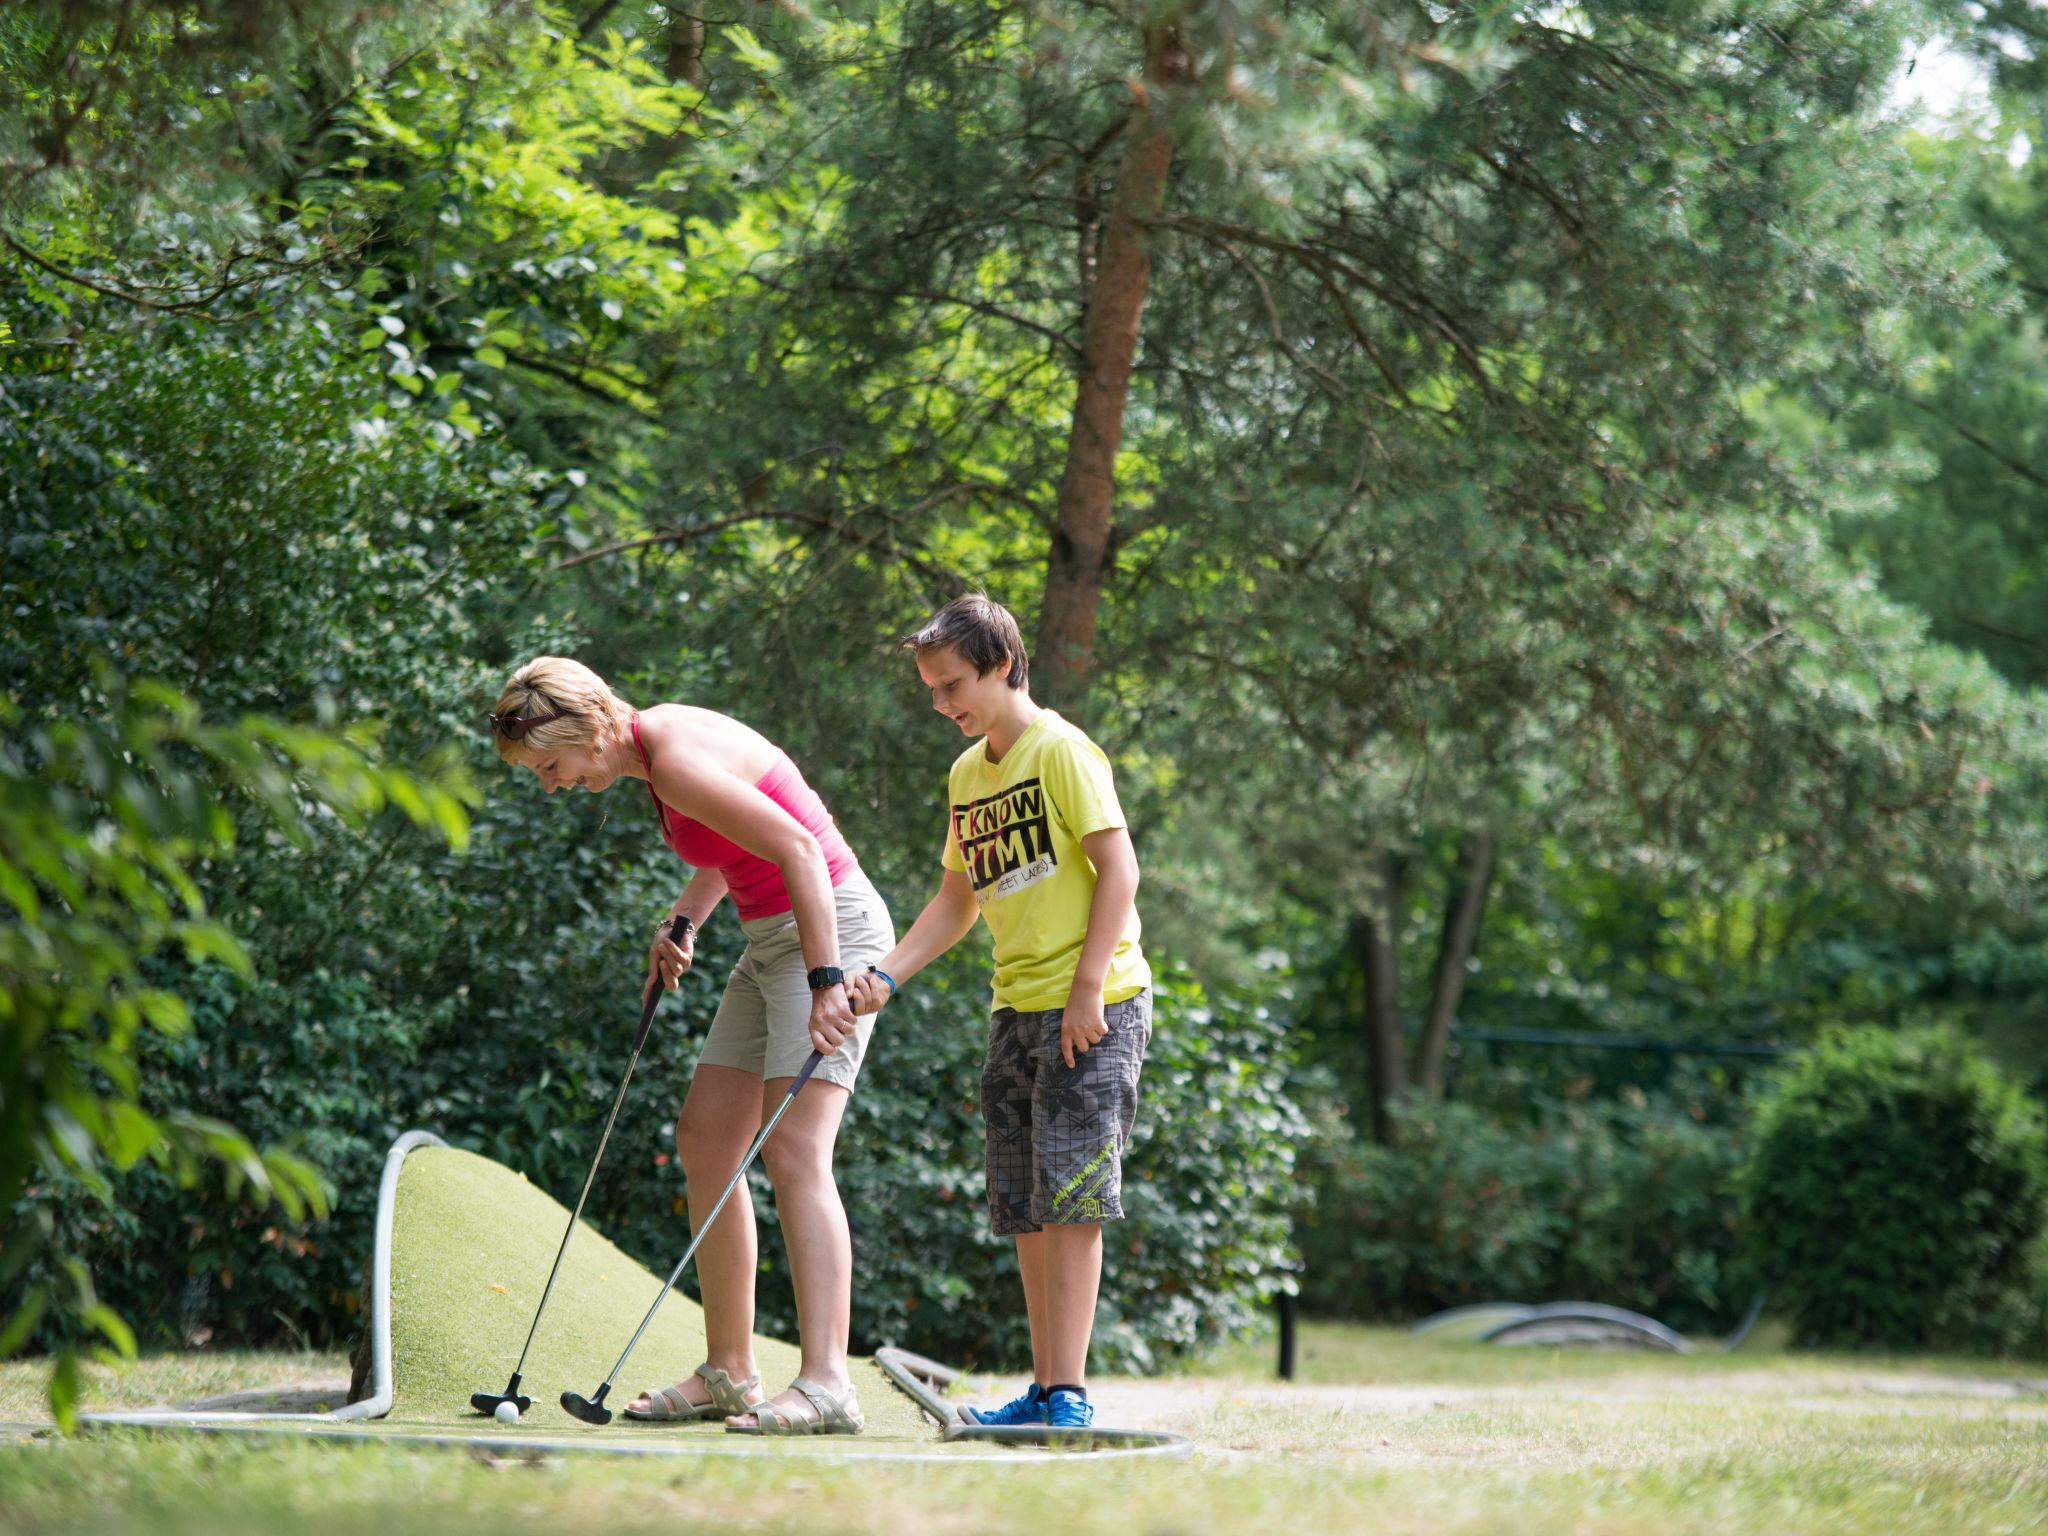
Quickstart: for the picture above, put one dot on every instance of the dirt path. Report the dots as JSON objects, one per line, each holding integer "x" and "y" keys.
{"x": 1170, "y": 1403}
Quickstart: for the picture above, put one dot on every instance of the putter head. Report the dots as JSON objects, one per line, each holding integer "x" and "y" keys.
{"x": 591, "y": 1410}
{"x": 486, "y": 1403}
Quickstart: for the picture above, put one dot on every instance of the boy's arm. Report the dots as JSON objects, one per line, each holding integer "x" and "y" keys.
{"x": 1109, "y": 914}
{"x": 944, "y": 922}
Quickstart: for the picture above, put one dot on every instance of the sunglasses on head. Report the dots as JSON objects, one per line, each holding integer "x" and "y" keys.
{"x": 515, "y": 727}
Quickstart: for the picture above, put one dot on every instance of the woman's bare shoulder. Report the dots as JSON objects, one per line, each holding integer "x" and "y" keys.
{"x": 706, "y": 736}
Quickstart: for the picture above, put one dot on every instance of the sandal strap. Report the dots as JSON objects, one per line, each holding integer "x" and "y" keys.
{"x": 727, "y": 1395}
{"x": 831, "y": 1410}
{"x": 673, "y": 1405}
{"x": 772, "y": 1420}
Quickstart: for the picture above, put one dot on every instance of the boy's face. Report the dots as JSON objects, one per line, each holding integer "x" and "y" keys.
{"x": 971, "y": 701}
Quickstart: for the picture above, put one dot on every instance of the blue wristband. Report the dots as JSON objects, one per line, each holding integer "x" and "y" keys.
{"x": 877, "y": 970}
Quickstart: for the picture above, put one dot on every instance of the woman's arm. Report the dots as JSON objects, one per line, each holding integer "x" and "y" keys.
{"x": 739, "y": 812}
{"x": 700, "y": 897}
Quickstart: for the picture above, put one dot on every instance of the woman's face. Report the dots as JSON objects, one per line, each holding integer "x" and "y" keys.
{"x": 578, "y": 767}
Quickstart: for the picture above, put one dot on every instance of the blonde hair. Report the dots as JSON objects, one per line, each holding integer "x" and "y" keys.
{"x": 559, "y": 685}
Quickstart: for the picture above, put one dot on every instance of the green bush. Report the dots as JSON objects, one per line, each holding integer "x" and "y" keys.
{"x": 1207, "y": 1183}
{"x": 106, "y": 818}
{"x": 526, "y": 1076}
{"x": 1628, "y": 1203}
{"x": 1894, "y": 1193}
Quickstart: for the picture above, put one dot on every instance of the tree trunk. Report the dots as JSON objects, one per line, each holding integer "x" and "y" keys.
{"x": 1080, "y": 555}
{"x": 1462, "y": 916}
{"x": 685, "y": 60}
{"x": 1375, "y": 938}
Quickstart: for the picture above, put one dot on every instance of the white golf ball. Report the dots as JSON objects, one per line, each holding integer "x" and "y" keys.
{"x": 506, "y": 1413}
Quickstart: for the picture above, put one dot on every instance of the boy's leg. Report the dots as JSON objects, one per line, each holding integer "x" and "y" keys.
{"x": 1008, "y": 1081}
{"x": 1082, "y": 1118}
{"x": 1068, "y": 1263}
{"x": 1031, "y": 1266}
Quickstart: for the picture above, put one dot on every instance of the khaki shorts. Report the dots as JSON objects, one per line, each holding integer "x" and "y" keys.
{"x": 763, "y": 1025}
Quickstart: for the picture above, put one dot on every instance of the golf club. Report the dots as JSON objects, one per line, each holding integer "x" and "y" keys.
{"x": 591, "y": 1410}
{"x": 491, "y": 1402}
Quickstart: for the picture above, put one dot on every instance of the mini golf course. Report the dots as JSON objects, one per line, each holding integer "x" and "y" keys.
{"x": 463, "y": 1251}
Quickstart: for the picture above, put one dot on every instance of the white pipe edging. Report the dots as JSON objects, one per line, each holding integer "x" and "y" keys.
{"x": 378, "y": 1403}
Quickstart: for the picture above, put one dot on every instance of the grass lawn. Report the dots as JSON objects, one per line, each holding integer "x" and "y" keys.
{"x": 1383, "y": 1433}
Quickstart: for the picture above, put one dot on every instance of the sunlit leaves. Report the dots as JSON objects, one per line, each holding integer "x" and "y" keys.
{"x": 106, "y": 817}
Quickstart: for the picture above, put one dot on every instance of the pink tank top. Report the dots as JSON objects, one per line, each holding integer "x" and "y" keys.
{"x": 755, "y": 882}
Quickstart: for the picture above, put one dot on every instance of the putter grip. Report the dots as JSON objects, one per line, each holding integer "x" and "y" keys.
{"x": 647, "y": 1015}
{"x": 804, "y": 1076}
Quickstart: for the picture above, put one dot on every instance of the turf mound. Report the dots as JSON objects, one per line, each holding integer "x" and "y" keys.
{"x": 470, "y": 1248}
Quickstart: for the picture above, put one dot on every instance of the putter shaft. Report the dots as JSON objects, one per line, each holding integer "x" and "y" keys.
{"x": 704, "y": 1226}
{"x": 639, "y": 1040}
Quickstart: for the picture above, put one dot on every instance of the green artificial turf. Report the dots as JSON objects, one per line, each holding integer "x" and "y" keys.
{"x": 471, "y": 1245}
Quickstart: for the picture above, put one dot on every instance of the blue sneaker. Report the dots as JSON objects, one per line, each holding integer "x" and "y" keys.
{"x": 1027, "y": 1409}
{"x": 1069, "y": 1410}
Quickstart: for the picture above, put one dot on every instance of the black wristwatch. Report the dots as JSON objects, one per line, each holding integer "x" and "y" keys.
{"x": 825, "y": 976}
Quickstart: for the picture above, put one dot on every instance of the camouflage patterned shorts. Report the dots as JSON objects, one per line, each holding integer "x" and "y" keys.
{"x": 1056, "y": 1136}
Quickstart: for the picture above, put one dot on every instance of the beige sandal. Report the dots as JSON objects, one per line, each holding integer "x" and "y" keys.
{"x": 667, "y": 1405}
{"x": 835, "y": 1417}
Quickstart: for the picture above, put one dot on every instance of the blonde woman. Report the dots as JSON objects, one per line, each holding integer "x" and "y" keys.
{"x": 734, "y": 807}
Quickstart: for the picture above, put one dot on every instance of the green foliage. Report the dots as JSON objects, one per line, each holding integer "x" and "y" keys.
{"x": 1508, "y": 384}
{"x": 1962, "y": 540}
{"x": 1630, "y": 1203}
{"x": 240, "y": 512}
{"x": 1207, "y": 1185}
{"x": 106, "y": 821}
{"x": 1894, "y": 1192}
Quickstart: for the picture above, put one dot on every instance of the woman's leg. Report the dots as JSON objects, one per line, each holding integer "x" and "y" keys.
{"x": 720, "y": 1117}
{"x": 798, "y": 1158}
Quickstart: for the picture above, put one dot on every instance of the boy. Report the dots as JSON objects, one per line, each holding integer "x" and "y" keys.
{"x": 1036, "y": 845}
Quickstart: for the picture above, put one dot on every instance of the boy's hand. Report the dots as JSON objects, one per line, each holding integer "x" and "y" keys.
{"x": 866, "y": 992}
{"x": 667, "y": 960}
{"x": 1081, "y": 1024}
{"x": 832, "y": 1021}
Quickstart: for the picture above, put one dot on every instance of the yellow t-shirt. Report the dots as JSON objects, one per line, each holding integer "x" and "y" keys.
{"x": 1015, "y": 831}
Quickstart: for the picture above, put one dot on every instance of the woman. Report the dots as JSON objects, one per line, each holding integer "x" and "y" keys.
{"x": 734, "y": 806}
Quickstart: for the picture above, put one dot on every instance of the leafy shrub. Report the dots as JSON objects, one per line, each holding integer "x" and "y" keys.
{"x": 1628, "y": 1203}
{"x": 1207, "y": 1183}
{"x": 106, "y": 818}
{"x": 1895, "y": 1191}
{"x": 521, "y": 1066}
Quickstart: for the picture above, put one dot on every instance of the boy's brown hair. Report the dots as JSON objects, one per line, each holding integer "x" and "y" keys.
{"x": 981, "y": 630}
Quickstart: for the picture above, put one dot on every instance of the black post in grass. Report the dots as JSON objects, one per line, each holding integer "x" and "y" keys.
{"x": 1286, "y": 1301}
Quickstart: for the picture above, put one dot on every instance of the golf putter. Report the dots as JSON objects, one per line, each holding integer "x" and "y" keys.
{"x": 591, "y": 1410}
{"x": 487, "y": 1402}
